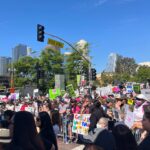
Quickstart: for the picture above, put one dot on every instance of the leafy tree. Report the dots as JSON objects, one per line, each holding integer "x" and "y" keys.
{"x": 51, "y": 62}
{"x": 143, "y": 73}
{"x": 126, "y": 65}
{"x": 107, "y": 78}
{"x": 76, "y": 64}
{"x": 25, "y": 71}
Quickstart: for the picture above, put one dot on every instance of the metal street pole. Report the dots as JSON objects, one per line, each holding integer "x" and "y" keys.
{"x": 61, "y": 39}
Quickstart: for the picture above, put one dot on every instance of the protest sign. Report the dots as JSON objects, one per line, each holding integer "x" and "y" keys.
{"x": 81, "y": 123}
{"x": 78, "y": 80}
{"x": 130, "y": 101}
{"x": 136, "y": 88}
{"x": 129, "y": 119}
{"x": 129, "y": 89}
{"x": 115, "y": 89}
{"x": 53, "y": 93}
{"x": 70, "y": 90}
{"x": 63, "y": 92}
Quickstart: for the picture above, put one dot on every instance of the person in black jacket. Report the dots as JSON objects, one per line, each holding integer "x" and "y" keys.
{"x": 96, "y": 113}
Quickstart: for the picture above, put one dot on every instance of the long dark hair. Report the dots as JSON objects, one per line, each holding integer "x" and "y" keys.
{"x": 24, "y": 133}
{"x": 47, "y": 128}
{"x": 124, "y": 138}
{"x": 55, "y": 117}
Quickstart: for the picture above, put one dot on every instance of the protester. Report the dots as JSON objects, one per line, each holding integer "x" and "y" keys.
{"x": 5, "y": 139}
{"x": 25, "y": 135}
{"x": 145, "y": 144}
{"x": 104, "y": 112}
{"x": 124, "y": 138}
{"x": 96, "y": 114}
{"x": 100, "y": 136}
{"x": 8, "y": 114}
{"x": 56, "y": 121}
{"x": 46, "y": 131}
{"x": 140, "y": 102}
{"x": 85, "y": 109}
{"x": 103, "y": 123}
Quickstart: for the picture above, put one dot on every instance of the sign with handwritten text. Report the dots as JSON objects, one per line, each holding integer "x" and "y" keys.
{"x": 81, "y": 123}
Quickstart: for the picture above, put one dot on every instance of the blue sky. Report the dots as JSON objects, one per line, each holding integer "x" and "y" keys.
{"x": 119, "y": 26}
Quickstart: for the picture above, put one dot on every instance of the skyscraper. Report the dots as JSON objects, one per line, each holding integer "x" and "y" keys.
{"x": 19, "y": 51}
{"x": 111, "y": 63}
{"x": 66, "y": 55}
{"x": 4, "y": 62}
{"x": 29, "y": 51}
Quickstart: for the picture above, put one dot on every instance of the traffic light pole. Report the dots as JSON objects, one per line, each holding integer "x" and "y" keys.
{"x": 61, "y": 39}
{"x": 69, "y": 45}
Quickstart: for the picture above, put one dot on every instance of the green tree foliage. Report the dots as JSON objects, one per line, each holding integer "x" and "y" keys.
{"x": 25, "y": 72}
{"x": 51, "y": 62}
{"x": 76, "y": 64}
{"x": 107, "y": 78}
{"x": 126, "y": 65}
{"x": 143, "y": 73}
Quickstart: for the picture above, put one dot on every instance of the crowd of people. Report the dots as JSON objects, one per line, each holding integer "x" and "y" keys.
{"x": 36, "y": 124}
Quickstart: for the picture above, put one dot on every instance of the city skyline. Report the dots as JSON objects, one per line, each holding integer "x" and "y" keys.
{"x": 120, "y": 26}
{"x": 27, "y": 51}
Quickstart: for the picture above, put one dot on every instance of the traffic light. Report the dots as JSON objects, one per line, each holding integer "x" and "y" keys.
{"x": 93, "y": 73}
{"x": 40, "y": 74}
{"x": 86, "y": 74}
{"x": 40, "y": 33}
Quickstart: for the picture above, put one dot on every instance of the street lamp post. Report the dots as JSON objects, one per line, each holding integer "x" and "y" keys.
{"x": 12, "y": 70}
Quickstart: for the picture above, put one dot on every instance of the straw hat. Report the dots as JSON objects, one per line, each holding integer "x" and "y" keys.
{"x": 5, "y": 136}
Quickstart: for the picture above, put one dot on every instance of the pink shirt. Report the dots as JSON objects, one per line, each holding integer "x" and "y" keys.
{"x": 76, "y": 110}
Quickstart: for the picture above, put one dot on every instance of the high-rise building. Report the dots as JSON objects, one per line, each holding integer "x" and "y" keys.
{"x": 19, "y": 51}
{"x": 29, "y": 51}
{"x": 111, "y": 63}
{"x": 66, "y": 55}
{"x": 4, "y": 62}
{"x": 83, "y": 45}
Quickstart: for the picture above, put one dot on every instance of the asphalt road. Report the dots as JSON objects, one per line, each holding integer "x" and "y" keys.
{"x": 70, "y": 146}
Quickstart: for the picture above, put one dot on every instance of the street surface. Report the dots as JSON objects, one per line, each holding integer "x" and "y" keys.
{"x": 70, "y": 146}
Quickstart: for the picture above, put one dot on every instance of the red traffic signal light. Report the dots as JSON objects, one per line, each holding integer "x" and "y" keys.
{"x": 40, "y": 33}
